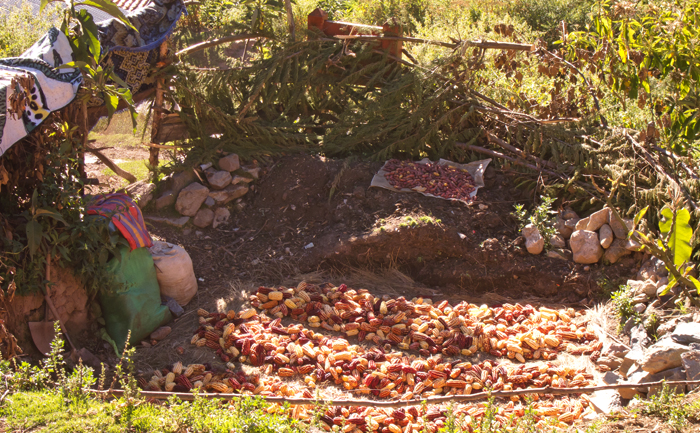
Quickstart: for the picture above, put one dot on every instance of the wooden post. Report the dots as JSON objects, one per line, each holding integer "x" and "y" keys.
{"x": 158, "y": 107}
{"x": 290, "y": 18}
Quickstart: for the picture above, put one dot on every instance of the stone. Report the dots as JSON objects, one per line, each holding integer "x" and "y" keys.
{"x": 175, "y": 222}
{"x": 686, "y": 333}
{"x": 642, "y": 287}
{"x": 191, "y": 198}
{"x": 561, "y": 227}
{"x": 639, "y": 308}
{"x": 569, "y": 213}
{"x": 219, "y": 179}
{"x": 597, "y": 219}
{"x": 671, "y": 375}
{"x": 582, "y": 224}
{"x": 203, "y": 218}
{"x": 663, "y": 281}
{"x": 612, "y": 348}
{"x": 611, "y": 378}
{"x": 642, "y": 298}
{"x": 206, "y": 166}
{"x": 619, "y": 229}
{"x": 652, "y": 269}
{"x": 585, "y": 247}
{"x": 616, "y": 251}
{"x": 667, "y": 327}
{"x": 560, "y": 253}
{"x": 209, "y": 202}
{"x": 611, "y": 362}
{"x": 606, "y": 401}
{"x": 691, "y": 364}
{"x": 221, "y": 216}
{"x": 241, "y": 179}
{"x": 141, "y": 192}
{"x": 633, "y": 357}
{"x": 230, "y": 162}
{"x": 228, "y": 194}
{"x": 180, "y": 180}
{"x": 253, "y": 171}
{"x": 662, "y": 355}
{"x": 571, "y": 226}
{"x": 166, "y": 199}
{"x": 161, "y": 333}
{"x": 534, "y": 242}
{"x": 632, "y": 245}
{"x": 639, "y": 336}
{"x": 557, "y": 241}
{"x": 606, "y": 236}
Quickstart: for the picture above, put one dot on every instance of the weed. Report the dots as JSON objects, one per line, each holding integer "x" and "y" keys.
{"x": 667, "y": 405}
{"x": 541, "y": 217}
{"x": 624, "y": 303}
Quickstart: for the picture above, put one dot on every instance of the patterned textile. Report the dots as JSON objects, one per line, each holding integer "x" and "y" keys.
{"x": 125, "y": 215}
{"x": 153, "y": 23}
{"x": 31, "y": 88}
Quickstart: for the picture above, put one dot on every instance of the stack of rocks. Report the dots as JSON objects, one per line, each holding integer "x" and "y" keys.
{"x": 204, "y": 201}
{"x": 585, "y": 240}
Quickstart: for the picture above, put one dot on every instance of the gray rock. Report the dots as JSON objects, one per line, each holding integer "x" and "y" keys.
{"x": 652, "y": 269}
{"x": 221, "y": 216}
{"x": 616, "y": 251}
{"x": 642, "y": 298}
{"x": 582, "y": 224}
{"x": 585, "y": 247}
{"x": 141, "y": 192}
{"x": 161, "y": 333}
{"x": 664, "y": 354}
{"x": 562, "y": 229}
{"x": 611, "y": 378}
{"x": 691, "y": 364}
{"x": 569, "y": 213}
{"x": 175, "y": 222}
{"x": 204, "y": 217}
{"x": 611, "y": 362}
{"x": 618, "y": 228}
{"x": 606, "y": 236}
{"x": 228, "y": 194}
{"x": 612, "y": 348}
{"x": 165, "y": 200}
{"x": 639, "y": 337}
{"x": 632, "y": 358}
{"x": 671, "y": 375}
{"x": 191, "y": 198}
{"x": 253, "y": 171}
{"x": 571, "y": 225}
{"x": 560, "y": 253}
{"x": 606, "y": 401}
{"x": 632, "y": 245}
{"x": 180, "y": 180}
{"x": 241, "y": 179}
{"x": 686, "y": 333}
{"x": 534, "y": 242}
{"x": 597, "y": 219}
{"x": 219, "y": 179}
{"x": 639, "y": 308}
{"x": 557, "y": 242}
{"x": 209, "y": 202}
{"x": 206, "y": 166}
{"x": 646, "y": 287}
{"x": 230, "y": 162}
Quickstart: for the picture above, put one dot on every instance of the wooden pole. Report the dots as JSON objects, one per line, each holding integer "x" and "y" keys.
{"x": 290, "y": 18}
{"x": 158, "y": 107}
{"x": 186, "y": 396}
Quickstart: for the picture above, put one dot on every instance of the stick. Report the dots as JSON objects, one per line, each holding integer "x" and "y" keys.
{"x": 509, "y": 158}
{"x": 185, "y": 396}
{"x": 481, "y": 44}
{"x": 114, "y": 167}
{"x": 47, "y": 295}
{"x": 213, "y": 42}
{"x": 493, "y": 139}
{"x": 290, "y": 18}
{"x": 164, "y": 146}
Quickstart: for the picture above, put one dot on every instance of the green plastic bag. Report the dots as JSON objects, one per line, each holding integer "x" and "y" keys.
{"x": 136, "y": 308}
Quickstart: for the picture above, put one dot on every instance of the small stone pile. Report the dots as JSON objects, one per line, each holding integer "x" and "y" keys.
{"x": 585, "y": 240}
{"x": 202, "y": 195}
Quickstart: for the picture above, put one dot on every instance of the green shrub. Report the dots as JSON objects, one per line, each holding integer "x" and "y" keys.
{"x": 546, "y": 15}
{"x": 20, "y": 28}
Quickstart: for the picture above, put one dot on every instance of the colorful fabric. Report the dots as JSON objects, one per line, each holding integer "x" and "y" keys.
{"x": 31, "y": 87}
{"x": 125, "y": 215}
{"x": 153, "y": 23}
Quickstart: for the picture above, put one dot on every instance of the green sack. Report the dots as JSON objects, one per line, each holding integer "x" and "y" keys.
{"x": 136, "y": 308}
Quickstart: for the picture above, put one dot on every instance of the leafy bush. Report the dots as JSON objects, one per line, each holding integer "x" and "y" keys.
{"x": 624, "y": 306}
{"x": 21, "y": 27}
{"x": 546, "y": 15}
